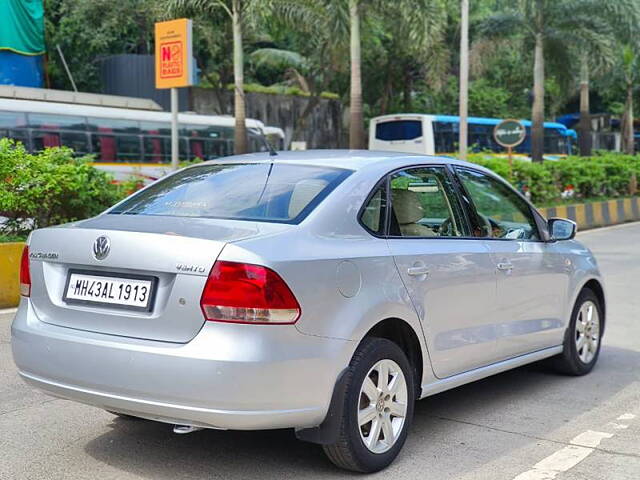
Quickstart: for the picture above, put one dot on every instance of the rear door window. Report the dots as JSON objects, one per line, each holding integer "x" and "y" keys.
{"x": 267, "y": 192}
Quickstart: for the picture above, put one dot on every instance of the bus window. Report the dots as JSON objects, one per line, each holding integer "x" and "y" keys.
{"x": 45, "y": 139}
{"x": 553, "y": 141}
{"x": 57, "y": 122}
{"x": 481, "y": 138}
{"x": 215, "y": 149}
{"x": 12, "y": 120}
{"x": 12, "y": 125}
{"x": 445, "y": 137}
{"x": 116, "y": 125}
{"x": 104, "y": 145}
{"x": 196, "y": 149}
{"x": 399, "y": 130}
{"x": 128, "y": 148}
{"x": 153, "y": 152}
{"x": 75, "y": 140}
{"x": 155, "y": 128}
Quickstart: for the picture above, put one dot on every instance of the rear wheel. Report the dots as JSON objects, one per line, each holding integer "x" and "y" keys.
{"x": 378, "y": 408}
{"x": 583, "y": 337}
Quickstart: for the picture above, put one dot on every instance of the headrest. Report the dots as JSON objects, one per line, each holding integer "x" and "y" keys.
{"x": 303, "y": 193}
{"x": 407, "y": 206}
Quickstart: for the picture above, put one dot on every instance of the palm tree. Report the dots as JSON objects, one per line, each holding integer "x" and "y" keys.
{"x": 239, "y": 12}
{"x": 356, "y": 121}
{"x": 595, "y": 46}
{"x": 554, "y": 25}
{"x": 464, "y": 78}
{"x": 331, "y": 25}
{"x": 629, "y": 64}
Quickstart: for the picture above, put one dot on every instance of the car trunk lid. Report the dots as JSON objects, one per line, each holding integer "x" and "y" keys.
{"x": 175, "y": 254}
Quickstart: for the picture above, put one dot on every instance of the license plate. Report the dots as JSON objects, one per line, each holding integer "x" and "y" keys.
{"x": 112, "y": 290}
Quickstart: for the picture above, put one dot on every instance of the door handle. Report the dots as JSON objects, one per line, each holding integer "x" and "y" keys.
{"x": 505, "y": 266}
{"x": 418, "y": 271}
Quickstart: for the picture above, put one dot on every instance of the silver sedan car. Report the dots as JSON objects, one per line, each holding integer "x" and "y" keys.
{"x": 323, "y": 291}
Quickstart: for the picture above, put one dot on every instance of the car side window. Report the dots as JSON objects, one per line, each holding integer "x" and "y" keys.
{"x": 373, "y": 216}
{"x": 500, "y": 212}
{"x": 423, "y": 204}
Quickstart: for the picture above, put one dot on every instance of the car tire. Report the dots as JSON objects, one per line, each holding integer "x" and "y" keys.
{"x": 583, "y": 337}
{"x": 364, "y": 447}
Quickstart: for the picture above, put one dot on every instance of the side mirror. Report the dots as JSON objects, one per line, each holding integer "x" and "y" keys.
{"x": 562, "y": 229}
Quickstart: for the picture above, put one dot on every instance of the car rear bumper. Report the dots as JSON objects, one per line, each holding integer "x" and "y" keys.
{"x": 241, "y": 377}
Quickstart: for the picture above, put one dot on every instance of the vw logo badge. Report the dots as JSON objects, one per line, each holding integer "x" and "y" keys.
{"x": 101, "y": 247}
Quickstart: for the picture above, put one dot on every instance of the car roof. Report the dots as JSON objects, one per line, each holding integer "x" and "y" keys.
{"x": 348, "y": 159}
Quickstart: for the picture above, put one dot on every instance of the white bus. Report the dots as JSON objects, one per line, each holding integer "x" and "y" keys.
{"x": 438, "y": 135}
{"x": 275, "y": 137}
{"x": 126, "y": 142}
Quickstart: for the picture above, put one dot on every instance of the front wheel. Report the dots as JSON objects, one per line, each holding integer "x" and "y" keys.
{"x": 378, "y": 407}
{"x": 583, "y": 337}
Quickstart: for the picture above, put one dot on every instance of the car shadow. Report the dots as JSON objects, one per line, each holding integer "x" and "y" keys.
{"x": 531, "y": 402}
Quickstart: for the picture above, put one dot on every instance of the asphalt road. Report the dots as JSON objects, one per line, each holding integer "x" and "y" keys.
{"x": 524, "y": 423}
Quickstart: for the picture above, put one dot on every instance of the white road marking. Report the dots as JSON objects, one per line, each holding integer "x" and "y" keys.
{"x": 565, "y": 458}
{"x": 617, "y": 426}
{"x": 626, "y": 416}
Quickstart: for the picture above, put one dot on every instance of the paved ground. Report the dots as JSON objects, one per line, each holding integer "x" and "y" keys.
{"x": 518, "y": 424}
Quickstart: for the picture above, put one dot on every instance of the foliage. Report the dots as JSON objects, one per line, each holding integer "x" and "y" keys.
{"x": 51, "y": 187}
{"x": 410, "y": 55}
{"x": 12, "y": 238}
{"x": 89, "y": 30}
{"x": 606, "y": 175}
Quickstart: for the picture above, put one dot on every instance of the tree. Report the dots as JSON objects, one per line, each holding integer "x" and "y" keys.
{"x": 88, "y": 30}
{"x": 464, "y": 77}
{"x": 356, "y": 121}
{"x": 553, "y": 26}
{"x": 595, "y": 47}
{"x": 240, "y": 12}
{"x": 629, "y": 65}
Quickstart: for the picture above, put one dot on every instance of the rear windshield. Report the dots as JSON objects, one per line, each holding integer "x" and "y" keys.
{"x": 399, "y": 130}
{"x": 265, "y": 192}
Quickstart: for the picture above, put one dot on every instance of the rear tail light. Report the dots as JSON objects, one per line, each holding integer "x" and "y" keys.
{"x": 245, "y": 293}
{"x": 25, "y": 273}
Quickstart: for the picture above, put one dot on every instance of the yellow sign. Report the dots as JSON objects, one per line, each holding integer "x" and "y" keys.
{"x": 174, "y": 54}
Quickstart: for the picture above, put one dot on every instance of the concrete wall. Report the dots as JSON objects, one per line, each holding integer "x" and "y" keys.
{"x": 321, "y": 128}
{"x": 10, "y": 255}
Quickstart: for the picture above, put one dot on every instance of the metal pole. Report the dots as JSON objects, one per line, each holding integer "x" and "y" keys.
{"x": 66, "y": 67}
{"x": 174, "y": 128}
{"x": 464, "y": 78}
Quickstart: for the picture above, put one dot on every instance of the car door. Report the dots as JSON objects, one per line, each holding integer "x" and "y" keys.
{"x": 450, "y": 276}
{"x": 532, "y": 279}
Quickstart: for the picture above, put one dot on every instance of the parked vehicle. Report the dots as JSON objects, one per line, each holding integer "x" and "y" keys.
{"x": 126, "y": 142}
{"x": 438, "y": 135}
{"x": 322, "y": 291}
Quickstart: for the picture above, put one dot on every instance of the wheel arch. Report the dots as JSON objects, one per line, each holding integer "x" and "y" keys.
{"x": 393, "y": 329}
{"x": 402, "y": 334}
{"x": 596, "y": 287}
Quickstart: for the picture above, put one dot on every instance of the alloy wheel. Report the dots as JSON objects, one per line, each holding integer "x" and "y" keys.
{"x": 382, "y": 406}
{"x": 587, "y": 334}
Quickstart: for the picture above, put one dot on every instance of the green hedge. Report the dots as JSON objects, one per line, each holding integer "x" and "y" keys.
{"x": 607, "y": 175}
{"x": 49, "y": 188}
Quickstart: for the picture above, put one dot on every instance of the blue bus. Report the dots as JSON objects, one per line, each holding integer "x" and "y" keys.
{"x": 438, "y": 135}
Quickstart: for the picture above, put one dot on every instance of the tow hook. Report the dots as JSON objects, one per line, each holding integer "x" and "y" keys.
{"x": 184, "y": 429}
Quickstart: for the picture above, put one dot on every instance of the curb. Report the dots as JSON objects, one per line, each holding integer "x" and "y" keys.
{"x": 597, "y": 214}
